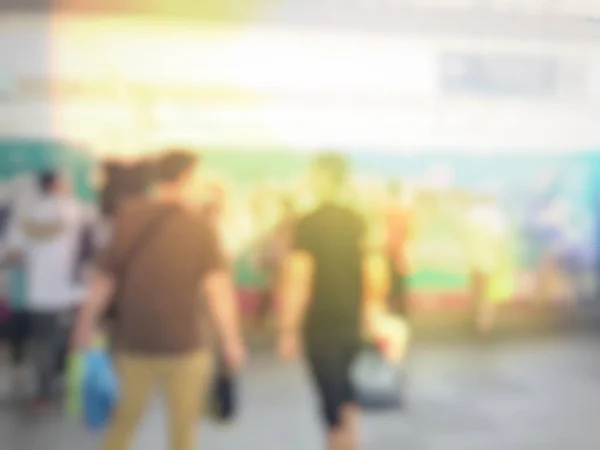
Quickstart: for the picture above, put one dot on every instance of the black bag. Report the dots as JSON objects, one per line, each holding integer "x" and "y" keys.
{"x": 377, "y": 382}
{"x": 223, "y": 396}
{"x": 150, "y": 230}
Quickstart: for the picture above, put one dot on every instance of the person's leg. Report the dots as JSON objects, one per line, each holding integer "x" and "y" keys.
{"x": 67, "y": 322}
{"x": 19, "y": 333}
{"x": 348, "y": 438}
{"x": 329, "y": 366}
{"x": 137, "y": 379}
{"x": 185, "y": 382}
{"x": 349, "y": 411}
{"x": 46, "y": 339}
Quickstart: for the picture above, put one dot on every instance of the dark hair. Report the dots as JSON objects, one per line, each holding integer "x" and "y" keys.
{"x": 174, "y": 164}
{"x": 47, "y": 181}
{"x": 334, "y": 165}
{"x": 125, "y": 180}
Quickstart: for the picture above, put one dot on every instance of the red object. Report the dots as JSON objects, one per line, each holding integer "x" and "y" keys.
{"x": 4, "y": 311}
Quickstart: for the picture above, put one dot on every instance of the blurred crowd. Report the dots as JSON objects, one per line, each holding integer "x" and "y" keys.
{"x": 53, "y": 247}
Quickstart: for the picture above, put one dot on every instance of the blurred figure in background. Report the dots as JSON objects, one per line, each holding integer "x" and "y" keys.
{"x": 161, "y": 255}
{"x": 397, "y": 233}
{"x": 328, "y": 277}
{"x": 493, "y": 261}
{"x": 47, "y": 236}
{"x": 18, "y": 326}
{"x": 219, "y": 209}
{"x": 545, "y": 228}
{"x": 120, "y": 181}
{"x": 273, "y": 253}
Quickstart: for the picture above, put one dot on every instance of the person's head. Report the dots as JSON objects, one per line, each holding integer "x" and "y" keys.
{"x": 50, "y": 182}
{"x": 176, "y": 173}
{"x": 330, "y": 172}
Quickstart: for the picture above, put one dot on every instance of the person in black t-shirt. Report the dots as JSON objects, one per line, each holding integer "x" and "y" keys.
{"x": 328, "y": 277}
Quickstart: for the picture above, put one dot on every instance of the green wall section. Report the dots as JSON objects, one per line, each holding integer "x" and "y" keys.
{"x": 247, "y": 167}
{"x": 27, "y": 156}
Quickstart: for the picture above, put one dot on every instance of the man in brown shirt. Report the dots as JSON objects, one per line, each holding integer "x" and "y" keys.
{"x": 160, "y": 259}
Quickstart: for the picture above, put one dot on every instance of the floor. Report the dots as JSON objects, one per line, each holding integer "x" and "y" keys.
{"x": 543, "y": 394}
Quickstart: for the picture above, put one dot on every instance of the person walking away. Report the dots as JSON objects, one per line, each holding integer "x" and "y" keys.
{"x": 161, "y": 255}
{"x": 328, "y": 279}
{"x": 17, "y": 327}
{"x": 47, "y": 236}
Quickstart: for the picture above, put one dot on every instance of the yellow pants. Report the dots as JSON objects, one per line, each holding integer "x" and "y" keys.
{"x": 183, "y": 381}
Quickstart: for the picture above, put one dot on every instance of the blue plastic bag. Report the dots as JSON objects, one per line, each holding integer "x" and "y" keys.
{"x": 93, "y": 388}
{"x": 100, "y": 390}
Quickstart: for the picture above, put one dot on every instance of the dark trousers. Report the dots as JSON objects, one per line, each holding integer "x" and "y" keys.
{"x": 330, "y": 359}
{"x": 50, "y": 337}
{"x": 19, "y": 333}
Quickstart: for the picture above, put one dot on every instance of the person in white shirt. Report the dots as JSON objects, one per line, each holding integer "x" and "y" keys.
{"x": 47, "y": 237}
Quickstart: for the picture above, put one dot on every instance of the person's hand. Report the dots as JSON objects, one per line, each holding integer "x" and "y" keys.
{"x": 392, "y": 339}
{"x": 235, "y": 355}
{"x": 81, "y": 338}
{"x": 288, "y": 346}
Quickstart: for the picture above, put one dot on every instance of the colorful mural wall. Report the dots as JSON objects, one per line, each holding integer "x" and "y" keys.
{"x": 543, "y": 210}
{"x": 545, "y": 206}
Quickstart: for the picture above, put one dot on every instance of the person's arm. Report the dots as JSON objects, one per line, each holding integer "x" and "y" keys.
{"x": 295, "y": 291}
{"x": 219, "y": 292}
{"x": 102, "y": 285}
{"x": 295, "y": 285}
{"x": 294, "y": 298}
{"x": 12, "y": 253}
{"x": 376, "y": 286}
